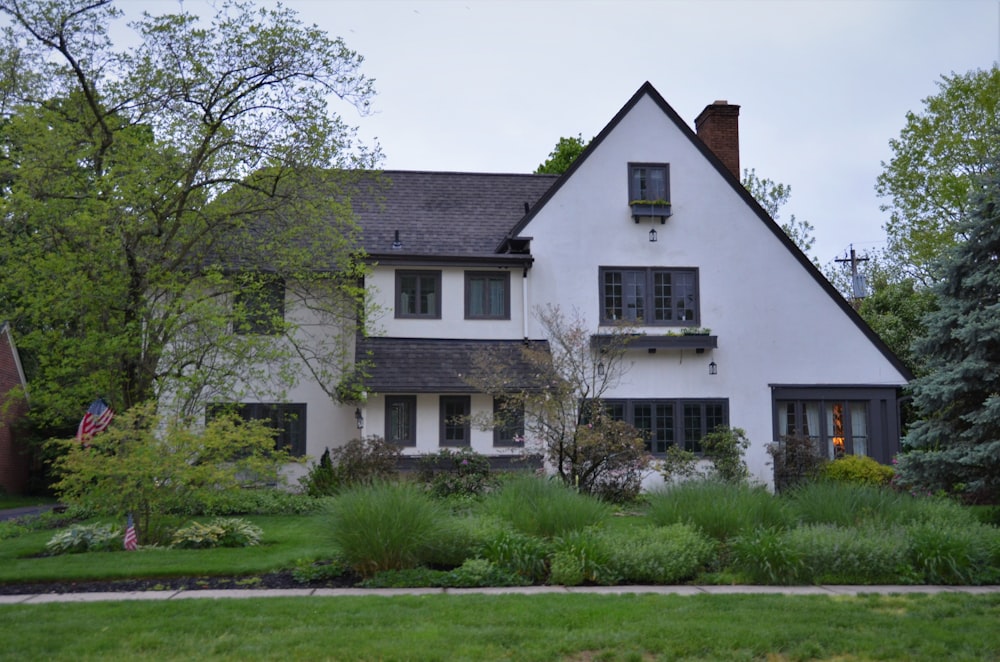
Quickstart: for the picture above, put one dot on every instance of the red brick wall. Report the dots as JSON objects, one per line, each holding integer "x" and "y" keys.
{"x": 719, "y": 127}
{"x": 13, "y": 459}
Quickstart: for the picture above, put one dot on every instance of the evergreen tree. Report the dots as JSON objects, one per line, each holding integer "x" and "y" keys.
{"x": 955, "y": 446}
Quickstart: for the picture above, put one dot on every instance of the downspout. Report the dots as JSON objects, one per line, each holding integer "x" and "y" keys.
{"x": 524, "y": 302}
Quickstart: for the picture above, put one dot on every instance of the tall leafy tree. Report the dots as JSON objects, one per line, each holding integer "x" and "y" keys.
{"x": 936, "y": 159}
{"x": 955, "y": 446}
{"x": 772, "y": 196}
{"x": 153, "y": 199}
{"x": 562, "y": 156}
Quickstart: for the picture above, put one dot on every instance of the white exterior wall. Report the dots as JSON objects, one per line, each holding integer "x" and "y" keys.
{"x": 452, "y": 323}
{"x": 775, "y": 324}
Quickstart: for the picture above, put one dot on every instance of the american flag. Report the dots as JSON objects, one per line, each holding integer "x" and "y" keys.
{"x": 96, "y": 419}
{"x": 131, "y": 540}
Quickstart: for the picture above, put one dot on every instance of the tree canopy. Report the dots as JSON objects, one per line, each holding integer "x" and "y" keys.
{"x": 772, "y": 196}
{"x": 151, "y": 197}
{"x": 935, "y": 162}
{"x": 562, "y": 156}
{"x": 955, "y": 446}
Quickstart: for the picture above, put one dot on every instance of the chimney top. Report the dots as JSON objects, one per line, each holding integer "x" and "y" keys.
{"x": 719, "y": 127}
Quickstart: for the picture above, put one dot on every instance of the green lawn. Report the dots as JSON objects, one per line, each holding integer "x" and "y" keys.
{"x": 287, "y": 540}
{"x": 516, "y": 627}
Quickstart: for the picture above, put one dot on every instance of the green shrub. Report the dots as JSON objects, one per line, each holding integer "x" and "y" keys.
{"x": 519, "y": 553}
{"x": 658, "y": 555}
{"x": 719, "y": 510}
{"x": 544, "y": 508}
{"x": 582, "y": 556}
{"x": 767, "y": 556}
{"x": 253, "y": 501}
{"x": 461, "y": 538}
{"x": 796, "y": 461}
{"x": 220, "y": 532}
{"x": 725, "y": 447}
{"x": 385, "y": 526}
{"x": 86, "y": 538}
{"x": 857, "y": 470}
{"x": 479, "y": 573}
{"x": 322, "y": 479}
{"x": 306, "y": 571}
{"x": 462, "y": 472}
{"x": 873, "y": 554}
{"x": 358, "y": 462}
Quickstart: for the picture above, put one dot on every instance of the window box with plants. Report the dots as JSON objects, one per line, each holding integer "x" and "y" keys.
{"x": 650, "y": 208}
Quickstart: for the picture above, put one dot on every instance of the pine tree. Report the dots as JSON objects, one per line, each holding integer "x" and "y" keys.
{"x": 955, "y": 446}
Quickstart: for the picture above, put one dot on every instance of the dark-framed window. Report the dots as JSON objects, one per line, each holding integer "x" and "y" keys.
{"x": 288, "y": 418}
{"x": 262, "y": 302}
{"x": 401, "y": 419}
{"x": 508, "y": 423}
{"x": 418, "y": 294}
{"x": 840, "y": 420}
{"x": 650, "y": 295}
{"x": 665, "y": 423}
{"x": 487, "y": 295}
{"x": 649, "y": 182}
{"x": 455, "y": 428}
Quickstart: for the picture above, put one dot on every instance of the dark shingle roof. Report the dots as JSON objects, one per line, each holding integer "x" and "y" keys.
{"x": 444, "y": 213}
{"x": 431, "y": 365}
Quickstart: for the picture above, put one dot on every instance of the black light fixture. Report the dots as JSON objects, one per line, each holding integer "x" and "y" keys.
{"x": 396, "y": 243}
{"x": 713, "y": 368}
{"x": 358, "y": 418}
{"x": 652, "y": 235}
{"x": 600, "y": 369}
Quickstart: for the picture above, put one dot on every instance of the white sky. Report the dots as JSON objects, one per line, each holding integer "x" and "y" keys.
{"x": 823, "y": 85}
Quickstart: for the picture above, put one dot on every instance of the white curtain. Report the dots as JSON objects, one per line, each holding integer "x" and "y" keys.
{"x": 812, "y": 421}
{"x": 859, "y": 427}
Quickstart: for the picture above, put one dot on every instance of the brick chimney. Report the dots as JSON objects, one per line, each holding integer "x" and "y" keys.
{"x": 719, "y": 127}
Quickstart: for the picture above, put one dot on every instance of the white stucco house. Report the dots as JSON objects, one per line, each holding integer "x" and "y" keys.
{"x": 650, "y": 225}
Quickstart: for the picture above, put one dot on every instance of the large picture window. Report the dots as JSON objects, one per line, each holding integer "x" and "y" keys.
{"x": 289, "y": 419}
{"x": 418, "y": 294}
{"x": 487, "y": 295}
{"x": 649, "y": 296}
{"x": 665, "y": 423}
{"x": 839, "y": 420}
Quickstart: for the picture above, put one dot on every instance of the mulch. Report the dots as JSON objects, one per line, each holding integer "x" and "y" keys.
{"x": 270, "y": 580}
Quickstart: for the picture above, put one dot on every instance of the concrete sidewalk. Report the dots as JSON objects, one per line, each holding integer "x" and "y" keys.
{"x": 43, "y": 598}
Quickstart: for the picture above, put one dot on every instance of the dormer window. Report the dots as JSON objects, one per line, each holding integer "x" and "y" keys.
{"x": 649, "y": 190}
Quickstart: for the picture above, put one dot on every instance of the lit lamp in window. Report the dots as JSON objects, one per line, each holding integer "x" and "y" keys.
{"x": 358, "y": 418}
{"x": 713, "y": 368}
{"x": 652, "y": 235}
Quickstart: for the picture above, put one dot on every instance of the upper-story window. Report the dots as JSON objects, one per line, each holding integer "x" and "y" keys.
{"x": 649, "y": 182}
{"x": 487, "y": 295}
{"x": 260, "y": 302}
{"x": 649, "y": 296}
{"x": 418, "y": 294}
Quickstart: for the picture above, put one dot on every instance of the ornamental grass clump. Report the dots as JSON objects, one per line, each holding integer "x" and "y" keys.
{"x": 544, "y": 508}
{"x": 719, "y": 510}
{"x": 658, "y": 555}
{"x": 949, "y": 552}
{"x": 847, "y": 504}
{"x": 871, "y": 554}
{"x": 385, "y": 526}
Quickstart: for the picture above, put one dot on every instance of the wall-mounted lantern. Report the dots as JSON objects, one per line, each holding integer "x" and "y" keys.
{"x": 359, "y": 419}
{"x": 713, "y": 368}
{"x": 652, "y": 235}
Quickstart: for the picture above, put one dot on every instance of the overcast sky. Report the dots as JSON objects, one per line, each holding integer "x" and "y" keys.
{"x": 823, "y": 86}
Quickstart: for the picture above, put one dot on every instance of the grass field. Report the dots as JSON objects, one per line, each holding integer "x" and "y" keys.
{"x": 515, "y": 627}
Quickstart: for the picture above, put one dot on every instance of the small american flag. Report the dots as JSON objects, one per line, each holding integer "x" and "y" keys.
{"x": 131, "y": 540}
{"x": 97, "y": 418}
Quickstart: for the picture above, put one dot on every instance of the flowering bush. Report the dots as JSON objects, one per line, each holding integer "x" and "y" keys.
{"x": 456, "y": 472}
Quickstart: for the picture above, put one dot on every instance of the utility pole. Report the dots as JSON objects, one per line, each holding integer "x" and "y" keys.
{"x": 858, "y": 285}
